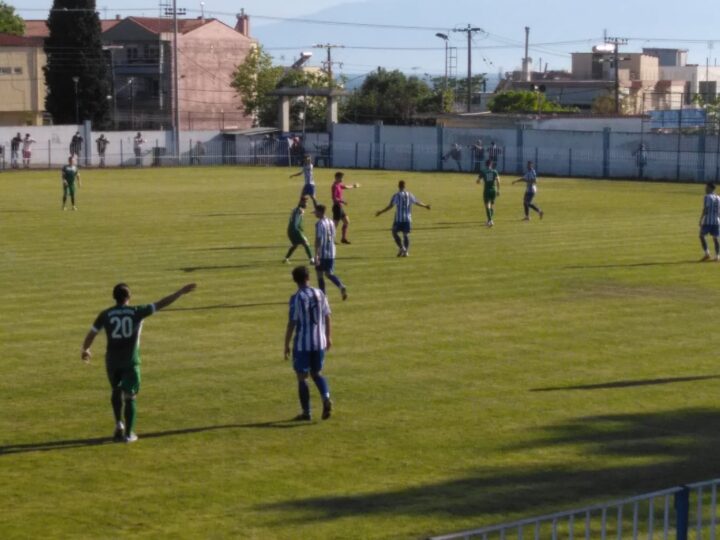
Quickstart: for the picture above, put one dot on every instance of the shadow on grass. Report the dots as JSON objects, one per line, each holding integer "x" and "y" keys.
{"x": 619, "y": 455}
{"x": 98, "y": 441}
{"x": 626, "y": 384}
{"x": 190, "y": 269}
{"x": 238, "y": 248}
{"x": 630, "y": 265}
{"x": 227, "y": 306}
{"x": 227, "y": 214}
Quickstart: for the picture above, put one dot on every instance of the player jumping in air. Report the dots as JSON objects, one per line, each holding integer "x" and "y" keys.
{"x": 295, "y": 231}
{"x": 70, "y": 173}
{"x": 403, "y": 202}
{"x": 491, "y": 189}
{"x": 710, "y": 221}
{"x": 325, "y": 251}
{"x": 123, "y": 324}
{"x": 309, "y": 185}
{"x": 309, "y": 319}
{"x": 338, "y": 202}
{"x": 530, "y": 178}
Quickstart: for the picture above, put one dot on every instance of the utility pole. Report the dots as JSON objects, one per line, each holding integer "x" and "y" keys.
{"x": 328, "y": 64}
{"x": 176, "y": 99}
{"x": 616, "y": 42}
{"x": 470, "y": 30}
{"x": 527, "y": 75}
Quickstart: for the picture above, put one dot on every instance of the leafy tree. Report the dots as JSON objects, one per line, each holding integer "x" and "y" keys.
{"x": 524, "y": 101}
{"x": 711, "y": 104}
{"x": 10, "y": 23}
{"x": 392, "y": 97}
{"x": 606, "y": 105}
{"x": 256, "y": 78}
{"x": 74, "y": 49}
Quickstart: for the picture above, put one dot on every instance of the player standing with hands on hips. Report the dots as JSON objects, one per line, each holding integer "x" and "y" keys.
{"x": 336, "y": 191}
{"x": 309, "y": 320}
{"x": 70, "y": 173}
{"x": 309, "y": 185}
{"x": 123, "y": 324}
{"x": 491, "y": 189}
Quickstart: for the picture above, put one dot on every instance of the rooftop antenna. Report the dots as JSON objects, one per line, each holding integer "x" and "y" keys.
{"x": 202, "y": 11}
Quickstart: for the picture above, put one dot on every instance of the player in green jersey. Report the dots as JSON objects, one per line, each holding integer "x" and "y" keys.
{"x": 123, "y": 324}
{"x": 491, "y": 190}
{"x": 70, "y": 174}
{"x": 295, "y": 231}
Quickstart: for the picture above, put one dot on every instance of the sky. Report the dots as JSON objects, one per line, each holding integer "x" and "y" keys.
{"x": 400, "y": 34}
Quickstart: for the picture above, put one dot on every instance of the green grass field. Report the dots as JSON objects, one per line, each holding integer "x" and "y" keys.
{"x": 493, "y": 374}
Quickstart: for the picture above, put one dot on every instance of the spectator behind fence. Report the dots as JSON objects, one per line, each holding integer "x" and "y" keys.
{"x": 27, "y": 143}
{"x": 641, "y": 159}
{"x": 197, "y": 152}
{"x": 15, "y": 151}
{"x": 138, "y": 142}
{"x": 494, "y": 153}
{"x": 101, "y": 143}
{"x": 455, "y": 153}
{"x": 478, "y": 155}
{"x": 76, "y": 146}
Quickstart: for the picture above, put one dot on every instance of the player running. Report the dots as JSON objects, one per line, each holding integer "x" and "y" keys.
{"x": 338, "y": 211}
{"x": 123, "y": 324}
{"x": 309, "y": 320}
{"x": 530, "y": 178}
{"x": 403, "y": 202}
{"x": 309, "y": 185}
{"x": 325, "y": 251}
{"x": 70, "y": 174}
{"x": 295, "y": 231}
{"x": 491, "y": 190}
{"x": 710, "y": 221}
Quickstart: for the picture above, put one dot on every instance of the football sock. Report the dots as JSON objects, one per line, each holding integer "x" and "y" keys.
{"x": 527, "y": 210}
{"x": 130, "y": 414}
{"x": 535, "y": 208}
{"x": 488, "y": 212}
{"x": 492, "y": 213}
{"x": 396, "y": 237}
{"x": 322, "y": 385}
{"x": 116, "y": 401}
{"x": 335, "y": 280}
{"x": 290, "y": 251}
{"x": 321, "y": 282}
{"x": 344, "y": 231}
{"x": 704, "y": 245}
{"x": 406, "y": 242}
{"x": 307, "y": 251}
{"x": 717, "y": 245}
{"x": 304, "y": 394}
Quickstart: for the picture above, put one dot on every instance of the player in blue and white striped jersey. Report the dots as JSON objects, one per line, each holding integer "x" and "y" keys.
{"x": 309, "y": 185}
{"x": 710, "y": 221}
{"x": 309, "y": 320}
{"x": 325, "y": 251}
{"x": 530, "y": 178}
{"x": 403, "y": 202}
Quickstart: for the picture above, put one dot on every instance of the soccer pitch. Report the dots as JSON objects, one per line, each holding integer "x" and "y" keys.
{"x": 494, "y": 373}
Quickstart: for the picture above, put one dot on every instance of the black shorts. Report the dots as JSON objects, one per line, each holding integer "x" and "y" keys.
{"x": 338, "y": 212}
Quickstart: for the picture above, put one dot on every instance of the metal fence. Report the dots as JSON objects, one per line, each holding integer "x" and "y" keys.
{"x": 681, "y": 513}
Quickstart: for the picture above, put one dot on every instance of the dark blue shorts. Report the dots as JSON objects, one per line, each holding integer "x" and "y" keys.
{"x": 402, "y": 226}
{"x": 712, "y": 230}
{"x": 309, "y": 190}
{"x": 305, "y": 361}
{"x": 326, "y": 265}
{"x": 529, "y": 196}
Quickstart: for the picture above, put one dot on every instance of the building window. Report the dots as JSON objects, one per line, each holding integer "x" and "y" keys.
{"x": 18, "y": 71}
{"x": 5, "y": 71}
{"x": 132, "y": 54}
{"x": 707, "y": 90}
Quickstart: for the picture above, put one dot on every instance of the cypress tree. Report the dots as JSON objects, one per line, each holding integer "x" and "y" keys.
{"x": 74, "y": 49}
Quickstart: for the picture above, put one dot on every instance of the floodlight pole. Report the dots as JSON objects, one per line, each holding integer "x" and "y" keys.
{"x": 445, "y": 38}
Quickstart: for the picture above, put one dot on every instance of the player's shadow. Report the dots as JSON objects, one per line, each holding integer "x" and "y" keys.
{"x": 228, "y": 214}
{"x": 626, "y": 384}
{"x": 191, "y": 269}
{"x": 239, "y": 248}
{"x": 629, "y": 265}
{"x": 618, "y": 455}
{"x": 227, "y": 306}
{"x": 66, "y": 444}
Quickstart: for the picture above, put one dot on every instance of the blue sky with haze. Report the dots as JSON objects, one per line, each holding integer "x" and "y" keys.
{"x": 558, "y": 27}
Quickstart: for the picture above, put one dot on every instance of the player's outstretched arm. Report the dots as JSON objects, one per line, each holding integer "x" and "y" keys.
{"x": 418, "y": 203}
{"x": 328, "y": 333}
{"x": 379, "y": 212}
{"x": 165, "y": 302}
